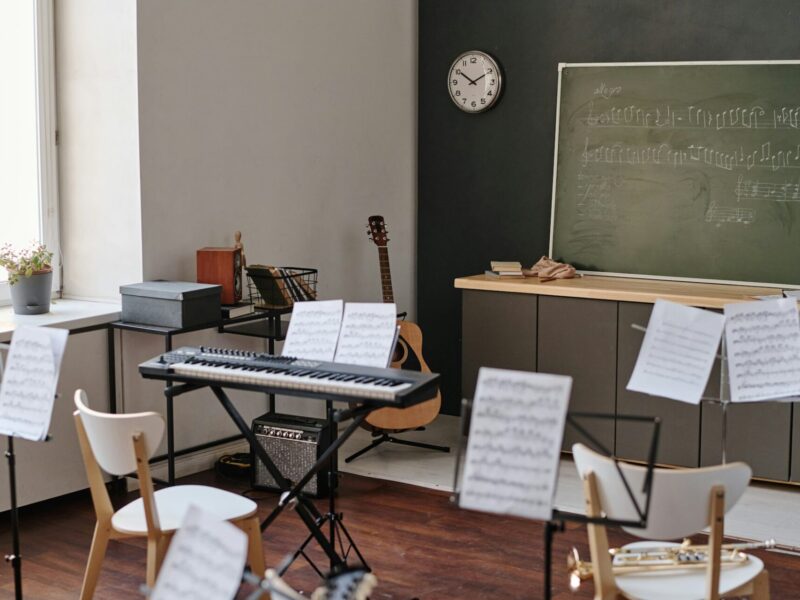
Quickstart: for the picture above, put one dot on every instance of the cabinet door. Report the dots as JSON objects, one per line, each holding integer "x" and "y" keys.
{"x": 578, "y": 337}
{"x": 498, "y": 330}
{"x": 679, "y": 441}
{"x": 758, "y": 433}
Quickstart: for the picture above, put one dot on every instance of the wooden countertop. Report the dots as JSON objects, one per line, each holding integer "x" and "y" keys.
{"x": 706, "y": 295}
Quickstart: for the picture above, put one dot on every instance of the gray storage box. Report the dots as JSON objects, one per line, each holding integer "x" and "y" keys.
{"x": 171, "y": 303}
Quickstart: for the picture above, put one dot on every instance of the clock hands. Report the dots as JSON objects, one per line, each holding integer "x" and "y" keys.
{"x": 471, "y": 81}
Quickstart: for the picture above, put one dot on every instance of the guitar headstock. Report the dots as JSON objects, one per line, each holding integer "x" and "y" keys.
{"x": 376, "y": 230}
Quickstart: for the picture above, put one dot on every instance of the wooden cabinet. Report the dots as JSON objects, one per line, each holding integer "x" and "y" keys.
{"x": 679, "y": 442}
{"x": 578, "y": 337}
{"x": 758, "y": 433}
{"x": 498, "y": 330}
{"x": 582, "y": 328}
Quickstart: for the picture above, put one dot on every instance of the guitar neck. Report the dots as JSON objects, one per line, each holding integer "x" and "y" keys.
{"x": 386, "y": 274}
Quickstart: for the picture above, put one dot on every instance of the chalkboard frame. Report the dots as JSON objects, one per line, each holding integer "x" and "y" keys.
{"x": 561, "y": 68}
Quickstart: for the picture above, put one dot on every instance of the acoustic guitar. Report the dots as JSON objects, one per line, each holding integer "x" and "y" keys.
{"x": 408, "y": 353}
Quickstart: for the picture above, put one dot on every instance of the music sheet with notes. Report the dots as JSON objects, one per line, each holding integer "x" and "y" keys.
{"x": 369, "y": 331}
{"x": 516, "y": 428}
{"x": 677, "y": 353}
{"x": 205, "y": 560}
{"x": 763, "y": 344}
{"x": 314, "y": 330}
{"x": 28, "y": 387}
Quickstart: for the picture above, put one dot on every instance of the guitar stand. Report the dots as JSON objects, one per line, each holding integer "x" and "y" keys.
{"x": 383, "y": 437}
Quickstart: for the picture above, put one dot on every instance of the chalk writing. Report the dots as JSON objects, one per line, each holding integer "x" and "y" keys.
{"x": 515, "y": 442}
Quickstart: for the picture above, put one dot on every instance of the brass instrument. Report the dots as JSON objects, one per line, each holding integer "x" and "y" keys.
{"x": 661, "y": 558}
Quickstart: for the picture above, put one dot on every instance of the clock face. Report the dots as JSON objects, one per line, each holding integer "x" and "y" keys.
{"x": 474, "y": 81}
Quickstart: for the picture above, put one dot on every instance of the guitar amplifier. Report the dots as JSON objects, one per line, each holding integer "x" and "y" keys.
{"x": 294, "y": 444}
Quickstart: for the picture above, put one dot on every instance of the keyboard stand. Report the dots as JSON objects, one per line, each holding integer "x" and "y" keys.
{"x": 308, "y": 512}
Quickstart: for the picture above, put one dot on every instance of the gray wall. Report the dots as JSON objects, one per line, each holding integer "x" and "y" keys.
{"x": 485, "y": 180}
{"x": 290, "y": 121}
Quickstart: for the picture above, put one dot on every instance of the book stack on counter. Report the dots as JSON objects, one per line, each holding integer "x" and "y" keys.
{"x": 505, "y": 269}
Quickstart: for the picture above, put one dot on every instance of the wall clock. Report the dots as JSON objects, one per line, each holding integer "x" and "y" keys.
{"x": 474, "y": 81}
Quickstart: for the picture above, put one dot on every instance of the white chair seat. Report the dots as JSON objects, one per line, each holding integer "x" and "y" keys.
{"x": 687, "y": 584}
{"x": 173, "y": 502}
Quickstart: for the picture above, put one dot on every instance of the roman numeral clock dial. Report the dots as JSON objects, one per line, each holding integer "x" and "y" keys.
{"x": 474, "y": 81}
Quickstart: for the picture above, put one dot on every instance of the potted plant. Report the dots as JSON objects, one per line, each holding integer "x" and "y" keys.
{"x": 30, "y": 274}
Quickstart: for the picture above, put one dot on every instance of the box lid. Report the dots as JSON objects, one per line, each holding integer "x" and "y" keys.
{"x": 170, "y": 290}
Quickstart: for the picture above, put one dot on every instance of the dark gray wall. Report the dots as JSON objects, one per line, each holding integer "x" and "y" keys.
{"x": 485, "y": 180}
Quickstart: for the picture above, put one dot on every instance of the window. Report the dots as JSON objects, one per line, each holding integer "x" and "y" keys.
{"x": 28, "y": 183}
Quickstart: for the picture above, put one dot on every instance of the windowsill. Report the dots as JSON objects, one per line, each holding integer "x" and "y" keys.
{"x": 64, "y": 314}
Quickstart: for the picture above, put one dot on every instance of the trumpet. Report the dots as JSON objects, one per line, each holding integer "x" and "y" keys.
{"x": 663, "y": 558}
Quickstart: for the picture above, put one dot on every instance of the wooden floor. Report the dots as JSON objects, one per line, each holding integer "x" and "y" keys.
{"x": 419, "y": 545}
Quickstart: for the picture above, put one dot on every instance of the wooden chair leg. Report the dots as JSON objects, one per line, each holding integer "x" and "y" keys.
{"x": 97, "y": 553}
{"x": 156, "y": 549}
{"x": 255, "y": 548}
{"x": 761, "y": 586}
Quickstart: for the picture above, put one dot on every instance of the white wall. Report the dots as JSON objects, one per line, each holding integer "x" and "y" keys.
{"x": 99, "y": 148}
{"x": 291, "y": 121}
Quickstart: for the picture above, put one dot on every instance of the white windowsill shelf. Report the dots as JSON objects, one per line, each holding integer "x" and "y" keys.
{"x": 65, "y": 314}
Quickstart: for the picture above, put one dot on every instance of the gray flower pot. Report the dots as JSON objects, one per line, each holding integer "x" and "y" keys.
{"x": 31, "y": 295}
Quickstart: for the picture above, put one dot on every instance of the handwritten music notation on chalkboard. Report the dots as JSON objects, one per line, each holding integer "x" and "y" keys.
{"x": 749, "y": 189}
{"x": 517, "y": 424}
{"x": 28, "y": 387}
{"x": 205, "y": 560}
{"x": 667, "y": 116}
{"x": 678, "y": 352}
{"x": 368, "y": 334}
{"x": 314, "y": 330}
{"x": 763, "y": 344}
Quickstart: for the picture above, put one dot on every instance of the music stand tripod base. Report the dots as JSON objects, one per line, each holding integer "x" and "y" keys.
{"x": 384, "y": 437}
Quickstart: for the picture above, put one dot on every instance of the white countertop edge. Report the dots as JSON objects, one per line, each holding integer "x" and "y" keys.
{"x": 65, "y": 314}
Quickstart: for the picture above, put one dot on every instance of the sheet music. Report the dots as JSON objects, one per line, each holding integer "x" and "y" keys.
{"x": 368, "y": 334}
{"x": 205, "y": 560}
{"x": 763, "y": 343}
{"x": 678, "y": 352}
{"x": 314, "y": 330}
{"x": 517, "y": 424}
{"x": 29, "y": 381}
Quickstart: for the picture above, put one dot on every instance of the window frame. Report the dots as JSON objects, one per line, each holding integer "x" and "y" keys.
{"x": 47, "y": 140}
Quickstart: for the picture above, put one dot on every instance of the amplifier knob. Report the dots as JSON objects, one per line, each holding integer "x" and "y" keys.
{"x": 297, "y": 436}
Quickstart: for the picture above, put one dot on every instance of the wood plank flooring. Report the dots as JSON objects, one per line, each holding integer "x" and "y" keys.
{"x": 417, "y": 542}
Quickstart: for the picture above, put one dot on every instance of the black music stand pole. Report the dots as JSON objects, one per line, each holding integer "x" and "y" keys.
{"x": 14, "y": 558}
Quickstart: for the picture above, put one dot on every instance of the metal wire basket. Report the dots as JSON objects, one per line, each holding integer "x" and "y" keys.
{"x": 278, "y": 288}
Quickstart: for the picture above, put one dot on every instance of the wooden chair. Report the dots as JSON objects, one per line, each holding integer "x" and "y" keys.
{"x": 123, "y": 444}
{"x": 683, "y": 502}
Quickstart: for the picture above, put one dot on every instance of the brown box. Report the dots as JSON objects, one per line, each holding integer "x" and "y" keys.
{"x": 222, "y": 266}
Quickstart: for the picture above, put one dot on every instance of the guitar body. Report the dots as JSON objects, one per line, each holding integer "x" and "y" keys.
{"x": 408, "y": 355}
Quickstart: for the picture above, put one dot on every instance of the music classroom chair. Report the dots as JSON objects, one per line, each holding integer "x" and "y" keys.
{"x": 122, "y": 444}
{"x": 683, "y": 502}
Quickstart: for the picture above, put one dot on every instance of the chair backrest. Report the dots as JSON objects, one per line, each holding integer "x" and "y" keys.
{"x": 111, "y": 436}
{"x": 679, "y": 504}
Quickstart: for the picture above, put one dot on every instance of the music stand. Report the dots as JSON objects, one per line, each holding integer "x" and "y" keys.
{"x": 558, "y": 517}
{"x": 14, "y": 558}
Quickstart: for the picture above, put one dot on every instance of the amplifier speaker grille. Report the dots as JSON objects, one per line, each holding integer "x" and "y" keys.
{"x": 293, "y": 444}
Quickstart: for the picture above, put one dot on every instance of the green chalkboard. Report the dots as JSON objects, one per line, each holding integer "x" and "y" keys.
{"x": 679, "y": 171}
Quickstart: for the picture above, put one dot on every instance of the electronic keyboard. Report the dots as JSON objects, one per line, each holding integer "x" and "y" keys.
{"x": 231, "y": 368}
